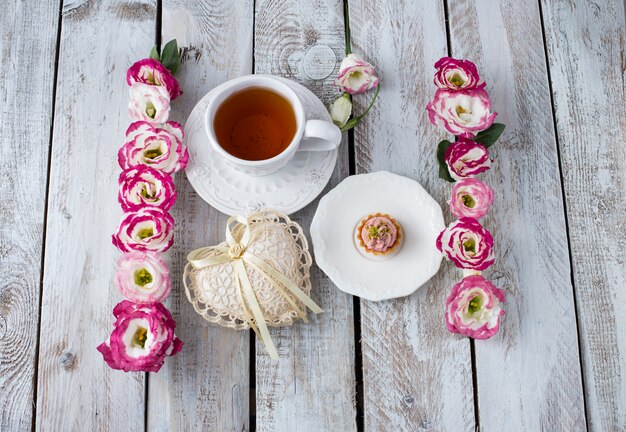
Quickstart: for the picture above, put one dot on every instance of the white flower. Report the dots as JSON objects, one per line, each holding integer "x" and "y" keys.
{"x": 159, "y": 147}
{"x": 356, "y": 75}
{"x": 143, "y": 277}
{"x": 149, "y": 103}
{"x": 341, "y": 110}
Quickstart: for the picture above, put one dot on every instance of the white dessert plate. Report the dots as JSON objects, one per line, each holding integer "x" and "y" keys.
{"x": 232, "y": 192}
{"x": 337, "y": 216}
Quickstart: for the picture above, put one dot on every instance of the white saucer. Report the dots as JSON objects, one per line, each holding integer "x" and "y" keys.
{"x": 403, "y": 199}
{"x": 231, "y": 192}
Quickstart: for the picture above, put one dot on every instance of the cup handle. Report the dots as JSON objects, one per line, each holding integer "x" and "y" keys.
{"x": 320, "y": 135}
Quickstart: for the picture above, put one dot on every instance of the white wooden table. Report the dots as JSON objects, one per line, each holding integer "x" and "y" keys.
{"x": 555, "y": 70}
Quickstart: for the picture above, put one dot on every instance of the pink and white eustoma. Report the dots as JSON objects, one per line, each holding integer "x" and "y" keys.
{"x": 149, "y": 229}
{"x": 467, "y": 244}
{"x": 152, "y": 72}
{"x": 461, "y": 112}
{"x": 144, "y": 186}
{"x": 470, "y": 198}
{"x": 143, "y": 277}
{"x": 160, "y": 147}
{"x": 453, "y": 74}
{"x": 149, "y": 103}
{"x": 466, "y": 158}
{"x": 142, "y": 337}
{"x": 356, "y": 76}
{"x": 473, "y": 308}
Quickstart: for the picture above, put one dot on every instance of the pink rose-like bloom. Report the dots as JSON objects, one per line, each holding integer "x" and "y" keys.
{"x": 356, "y": 75}
{"x": 453, "y": 74}
{"x": 152, "y": 72}
{"x": 473, "y": 308}
{"x": 149, "y": 103}
{"x": 149, "y": 229}
{"x": 467, "y": 244}
{"x": 143, "y": 277}
{"x": 144, "y": 186}
{"x": 466, "y": 158}
{"x": 462, "y": 112}
{"x": 470, "y": 198}
{"x": 142, "y": 336}
{"x": 158, "y": 147}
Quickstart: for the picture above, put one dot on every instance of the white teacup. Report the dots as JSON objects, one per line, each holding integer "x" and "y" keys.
{"x": 310, "y": 135}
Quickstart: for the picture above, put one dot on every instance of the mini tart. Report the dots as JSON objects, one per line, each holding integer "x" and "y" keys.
{"x": 374, "y": 254}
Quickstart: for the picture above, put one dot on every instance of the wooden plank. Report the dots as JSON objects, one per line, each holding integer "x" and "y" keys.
{"x": 206, "y": 386}
{"x": 77, "y": 390}
{"x": 28, "y": 45}
{"x": 416, "y": 375}
{"x": 586, "y": 44}
{"x": 531, "y": 370}
{"x": 312, "y": 386}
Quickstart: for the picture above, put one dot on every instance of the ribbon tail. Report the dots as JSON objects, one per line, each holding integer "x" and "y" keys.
{"x": 282, "y": 292}
{"x": 262, "y": 265}
{"x": 245, "y": 310}
{"x": 256, "y": 310}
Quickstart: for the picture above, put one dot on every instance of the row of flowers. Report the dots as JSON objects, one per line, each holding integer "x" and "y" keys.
{"x": 462, "y": 107}
{"x": 143, "y": 332}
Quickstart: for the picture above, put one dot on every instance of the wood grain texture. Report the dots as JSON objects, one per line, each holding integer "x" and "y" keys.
{"x": 416, "y": 375}
{"x": 206, "y": 386}
{"x": 529, "y": 375}
{"x": 76, "y": 389}
{"x": 586, "y": 52}
{"x": 312, "y": 386}
{"x": 27, "y": 49}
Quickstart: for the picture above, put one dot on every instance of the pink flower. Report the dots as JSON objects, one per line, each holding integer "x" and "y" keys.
{"x": 149, "y": 103}
{"x": 152, "y": 72}
{"x": 473, "y": 308}
{"x": 453, "y": 74}
{"x": 145, "y": 186}
{"x": 356, "y": 75}
{"x": 470, "y": 198}
{"x": 158, "y": 147}
{"x": 142, "y": 336}
{"x": 149, "y": 229}
{"x": 467, "y": 244}
{"x": 466, "y": 158}
{"x": 143, "y": 277}
{"x": 463, "y": 112}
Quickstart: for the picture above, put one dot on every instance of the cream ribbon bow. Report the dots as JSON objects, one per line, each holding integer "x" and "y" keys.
{"x": 237, "y": 254}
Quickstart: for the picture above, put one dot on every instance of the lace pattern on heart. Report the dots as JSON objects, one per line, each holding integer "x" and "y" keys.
{"x": 276, "y": 240}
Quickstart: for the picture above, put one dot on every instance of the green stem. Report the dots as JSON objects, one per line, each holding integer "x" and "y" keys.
{"x": 371, "y": 103}
{"x": 346, "y": 17}
{"x": 356, "y": 120}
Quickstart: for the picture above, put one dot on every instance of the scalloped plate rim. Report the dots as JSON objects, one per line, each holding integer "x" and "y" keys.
{"x": 333, "y": 271}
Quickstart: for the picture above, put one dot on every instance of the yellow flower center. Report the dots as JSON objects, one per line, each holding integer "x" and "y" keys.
{"x": 140, "y": 336}
{"x": 152, "y": 153}
{"x": 145, "y": 233}
{"x": 150, "y": 110}
{"x": 468, "y": 201}
{"x": 144, "y": 193}
{"x": 456, "y": 80}
{"x": 469, "y": 246}
{"x": 143, "y": 277}
{"x": 475, "y": 304}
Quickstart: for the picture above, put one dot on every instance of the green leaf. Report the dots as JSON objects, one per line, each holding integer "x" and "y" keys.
{"x": 154, "y": 54}
{"x": 491, "y": 135}
{"x": 170, "y": 57}
{"x": 441, "y": 154}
